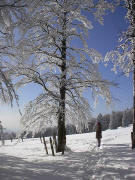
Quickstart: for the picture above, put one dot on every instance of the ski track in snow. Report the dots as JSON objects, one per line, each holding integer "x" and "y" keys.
{"x": 114, "y": 160}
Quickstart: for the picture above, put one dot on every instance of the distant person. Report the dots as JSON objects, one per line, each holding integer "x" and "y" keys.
{"x": 98, "y": 133}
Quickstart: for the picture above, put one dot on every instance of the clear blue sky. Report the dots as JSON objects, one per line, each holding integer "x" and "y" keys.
{"x": 103, "y": 39}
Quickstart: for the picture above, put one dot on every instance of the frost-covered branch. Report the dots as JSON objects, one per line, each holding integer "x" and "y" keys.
{"x": 7, "y": 26}
{"x": 123, "y": 56}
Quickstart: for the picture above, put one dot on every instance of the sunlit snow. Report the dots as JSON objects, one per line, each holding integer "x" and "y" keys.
{"x": 114, "y": 160}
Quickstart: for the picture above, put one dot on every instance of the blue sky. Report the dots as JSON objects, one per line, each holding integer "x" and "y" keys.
{"x": 105, "y": 38}
{"x": 102, "y": 38}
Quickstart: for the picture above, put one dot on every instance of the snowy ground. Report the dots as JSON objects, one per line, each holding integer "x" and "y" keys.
{"x": 85, "y": 161}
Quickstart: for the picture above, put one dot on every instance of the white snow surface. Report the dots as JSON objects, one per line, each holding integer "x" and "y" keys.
{"x": 114, "y": 160}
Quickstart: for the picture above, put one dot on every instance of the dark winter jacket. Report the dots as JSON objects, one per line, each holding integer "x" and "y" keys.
{"x": 98, "y": 131}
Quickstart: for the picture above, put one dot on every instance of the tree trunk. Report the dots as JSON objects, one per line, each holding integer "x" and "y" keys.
{"x": 61, "y": 115}
{"x": 133, "y": 134}
{"x": 133, "y": 44}
{"x": 61, "y": 133}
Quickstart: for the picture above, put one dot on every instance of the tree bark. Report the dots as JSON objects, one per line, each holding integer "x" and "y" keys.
{"x": 133, "y": 135}
{"x": 61, "y": 114}
{"x": 132, "y": 7}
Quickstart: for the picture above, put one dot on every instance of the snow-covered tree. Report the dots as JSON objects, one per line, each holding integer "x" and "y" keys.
{"x": 43, "y": 113}
{"x": 91, "y": 124}
{"x": 7, "y": 91}
{"x": 113, "y": 121}
{"x": 127, "y": 117}
{"x": 105, "y": 121}
{"x": 53, "y": 52}
{"x": 119, "y": 116}
{"x": 124, "y": 57}
{"x": 130, "y": 115}
{"x": 124, "y": 119}
{"x": 70, "y": 129}
{"x": 8, "y": 9}
{"x": 99, "y": 118}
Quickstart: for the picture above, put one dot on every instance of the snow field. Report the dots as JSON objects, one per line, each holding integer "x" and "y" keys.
{"x": 114, "y": 160}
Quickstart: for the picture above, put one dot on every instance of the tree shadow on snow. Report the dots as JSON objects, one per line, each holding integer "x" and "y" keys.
{"x": 117, "y": 163}
{"x": 71, "y": 166}
{"x": 113, "y": 162}
{"x": 14, "y": 168}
